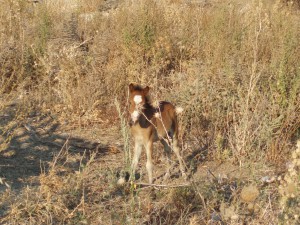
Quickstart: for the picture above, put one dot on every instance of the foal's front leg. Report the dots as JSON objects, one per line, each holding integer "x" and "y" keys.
{"x": 149, "y": 164}
{"x": 136, "y": 156}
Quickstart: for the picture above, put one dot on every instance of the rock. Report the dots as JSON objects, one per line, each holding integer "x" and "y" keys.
{"x": 121, "y": 181}
{"x": 249, "y": 193}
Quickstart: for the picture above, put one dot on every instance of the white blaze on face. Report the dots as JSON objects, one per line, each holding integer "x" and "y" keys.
{"x": 137, "y": 99}
{"x": 135, "y": 115}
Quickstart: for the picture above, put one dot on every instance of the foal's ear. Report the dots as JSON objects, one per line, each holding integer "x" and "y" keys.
{"x": 146, "y": 90}
{"x": 131, "y": 87}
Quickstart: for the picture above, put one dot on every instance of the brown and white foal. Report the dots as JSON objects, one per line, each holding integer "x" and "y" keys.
{"x": 149, "y": 124}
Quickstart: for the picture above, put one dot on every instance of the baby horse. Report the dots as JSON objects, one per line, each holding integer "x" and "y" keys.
{"x": 149, "y": 124}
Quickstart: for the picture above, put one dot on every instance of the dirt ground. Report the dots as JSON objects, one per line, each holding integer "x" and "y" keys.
{"x": 35, "y": 142}
{"x": 37, "y": 139}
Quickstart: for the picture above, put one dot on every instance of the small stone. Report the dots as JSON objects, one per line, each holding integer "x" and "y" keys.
{"x": 249, "y": 193}
{"x": 121, "y": 181}
{"x": 291, "y": 188}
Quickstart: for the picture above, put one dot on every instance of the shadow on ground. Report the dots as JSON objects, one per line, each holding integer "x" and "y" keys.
{"x": 29, "y": 144}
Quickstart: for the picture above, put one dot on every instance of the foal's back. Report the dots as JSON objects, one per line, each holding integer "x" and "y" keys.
{"x": 166, "y": 120}
{"x": 159, "y": 121}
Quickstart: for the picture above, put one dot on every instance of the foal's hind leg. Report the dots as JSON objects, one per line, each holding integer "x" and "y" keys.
{"x": 177, "y": 153}
{"x": 167, "y": 151}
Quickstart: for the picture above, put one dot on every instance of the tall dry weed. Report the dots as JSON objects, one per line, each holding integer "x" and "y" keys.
{"x": 233, "y": 66}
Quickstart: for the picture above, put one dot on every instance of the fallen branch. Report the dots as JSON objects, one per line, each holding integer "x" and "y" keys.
{"x": 84, "y": 42}
{"x": 163, "y": 185}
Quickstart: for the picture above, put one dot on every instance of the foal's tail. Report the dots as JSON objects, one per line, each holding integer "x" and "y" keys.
{"x": 178, "y": 110}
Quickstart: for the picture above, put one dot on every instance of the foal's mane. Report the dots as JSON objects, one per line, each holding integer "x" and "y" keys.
{"x": 137, "y": 87}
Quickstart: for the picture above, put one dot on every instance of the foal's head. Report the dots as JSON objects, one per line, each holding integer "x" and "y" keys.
{"x": 138, "y": 98}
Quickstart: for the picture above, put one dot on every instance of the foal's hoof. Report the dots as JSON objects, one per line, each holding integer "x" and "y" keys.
{"x": 167, "y": 176}
{"x": 185, "y": 176}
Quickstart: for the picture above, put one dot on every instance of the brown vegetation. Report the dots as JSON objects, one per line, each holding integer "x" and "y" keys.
{"x": 232, "y": 65}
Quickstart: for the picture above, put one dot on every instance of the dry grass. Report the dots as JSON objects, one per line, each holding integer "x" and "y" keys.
{"x": 232, "y": 65}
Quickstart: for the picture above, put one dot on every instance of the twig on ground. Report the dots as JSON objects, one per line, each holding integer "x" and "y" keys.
{"x": 163, "y": 185}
